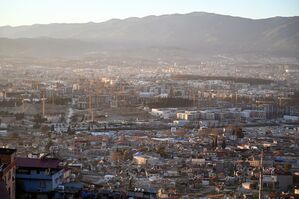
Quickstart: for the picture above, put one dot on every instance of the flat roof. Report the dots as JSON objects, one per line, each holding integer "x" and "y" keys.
{"x": 7, "y": 151}
{"x": 38, "y": 163}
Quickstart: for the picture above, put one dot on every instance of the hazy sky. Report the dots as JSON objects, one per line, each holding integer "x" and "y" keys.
{"x": 24, "y": 12}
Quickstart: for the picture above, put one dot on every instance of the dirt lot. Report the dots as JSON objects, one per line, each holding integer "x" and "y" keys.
{"x": 36, "y": 108}
{"x": 126, "y": 113}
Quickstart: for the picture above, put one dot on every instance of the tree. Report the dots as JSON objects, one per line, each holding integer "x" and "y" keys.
{"x": 223, "y": 145}
{"x": 74, "y": 119}
{"x": 49, "y": 145}
{"x": 239, "y": 132}
{"x": 70, "y": 130}
{"x": 52, "y": 127}
{"x": 45, "y": 129}
{"x": 38, "y": 119}
{"x": 62, "y": 118}
{"x": 127, "y": 155}
{"x": 14, "y": 135}
{"x": 161, "y": 151}
{"x": 19, "y": 116}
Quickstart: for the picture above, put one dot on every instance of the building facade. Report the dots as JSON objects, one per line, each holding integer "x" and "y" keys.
{"x": 8, "y": 170}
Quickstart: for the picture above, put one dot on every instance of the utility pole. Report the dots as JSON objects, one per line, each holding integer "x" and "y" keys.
{"x": 261, "y": 176}
{"x": 53, "y": 98}
{"x": 90, "y": 108}
{"x": 23, "y": 106}
{"x": 90, "y": 103}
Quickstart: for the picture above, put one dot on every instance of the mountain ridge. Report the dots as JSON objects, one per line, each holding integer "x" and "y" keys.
{"x": 120, "y": 19}
{"x": 199, "y": 32}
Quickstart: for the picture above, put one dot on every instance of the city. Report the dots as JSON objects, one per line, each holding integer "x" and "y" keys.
{"x": 144, "y": 124}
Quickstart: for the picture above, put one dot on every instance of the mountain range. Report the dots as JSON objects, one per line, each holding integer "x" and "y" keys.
{"x": 189, "y": 35}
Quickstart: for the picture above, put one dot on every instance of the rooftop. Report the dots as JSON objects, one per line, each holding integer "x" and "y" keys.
{"x": 6, "y": 151}
{"x": 38, "y": 163}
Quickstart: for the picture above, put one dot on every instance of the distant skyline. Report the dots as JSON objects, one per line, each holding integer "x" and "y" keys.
{"x": 28, "y": 12}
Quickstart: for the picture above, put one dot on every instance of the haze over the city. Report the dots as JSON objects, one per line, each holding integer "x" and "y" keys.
{"x": 143, "y": 99}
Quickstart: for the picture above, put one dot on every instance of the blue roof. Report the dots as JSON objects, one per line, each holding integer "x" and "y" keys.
{"x": 138, "y": 154}
{"x": 280, "y": 159}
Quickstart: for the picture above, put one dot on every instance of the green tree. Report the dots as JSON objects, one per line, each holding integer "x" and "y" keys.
{"x": 161, "y": 151}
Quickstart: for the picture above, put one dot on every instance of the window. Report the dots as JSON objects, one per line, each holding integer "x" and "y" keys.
{"x": 42, "y": 184}
{"x": 23, "y": 171}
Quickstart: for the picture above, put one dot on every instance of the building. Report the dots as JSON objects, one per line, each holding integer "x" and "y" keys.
{"x": 141, "y": 159}
{"x": 188, "y": 115}
{"x": 164, "y": 113}
{"x": 139, "y": 193}
{"x": 38, "y": 177}
{"x": 8, "y": 170}
{"x": 3, "y": 191}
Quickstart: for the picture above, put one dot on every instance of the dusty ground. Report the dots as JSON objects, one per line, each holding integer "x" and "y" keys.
{"x": 36, "y": 108}
{"x": 126, "y": 113}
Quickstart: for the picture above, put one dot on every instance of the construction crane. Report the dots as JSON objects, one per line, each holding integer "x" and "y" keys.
{"x": 43, "y": 99}
{"x": 36, "y": 83}
{"x": 90, "y": 103}
{"x": 53, "y": 97}
{"x": 90, "y": 108}
{"x": 23, "y": 106}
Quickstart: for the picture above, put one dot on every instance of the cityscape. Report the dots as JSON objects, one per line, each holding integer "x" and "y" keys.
{"x": 168, "y": 106}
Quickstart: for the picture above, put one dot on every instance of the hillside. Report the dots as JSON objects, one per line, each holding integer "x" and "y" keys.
{"x": 187, "y": 34}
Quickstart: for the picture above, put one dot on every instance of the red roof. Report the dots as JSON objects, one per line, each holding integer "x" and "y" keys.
{"x": 38, "y": 163}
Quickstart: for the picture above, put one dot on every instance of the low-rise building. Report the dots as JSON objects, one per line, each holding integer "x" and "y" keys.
{"x": 38, "y": 175}
{"x": 8, "y": 169}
